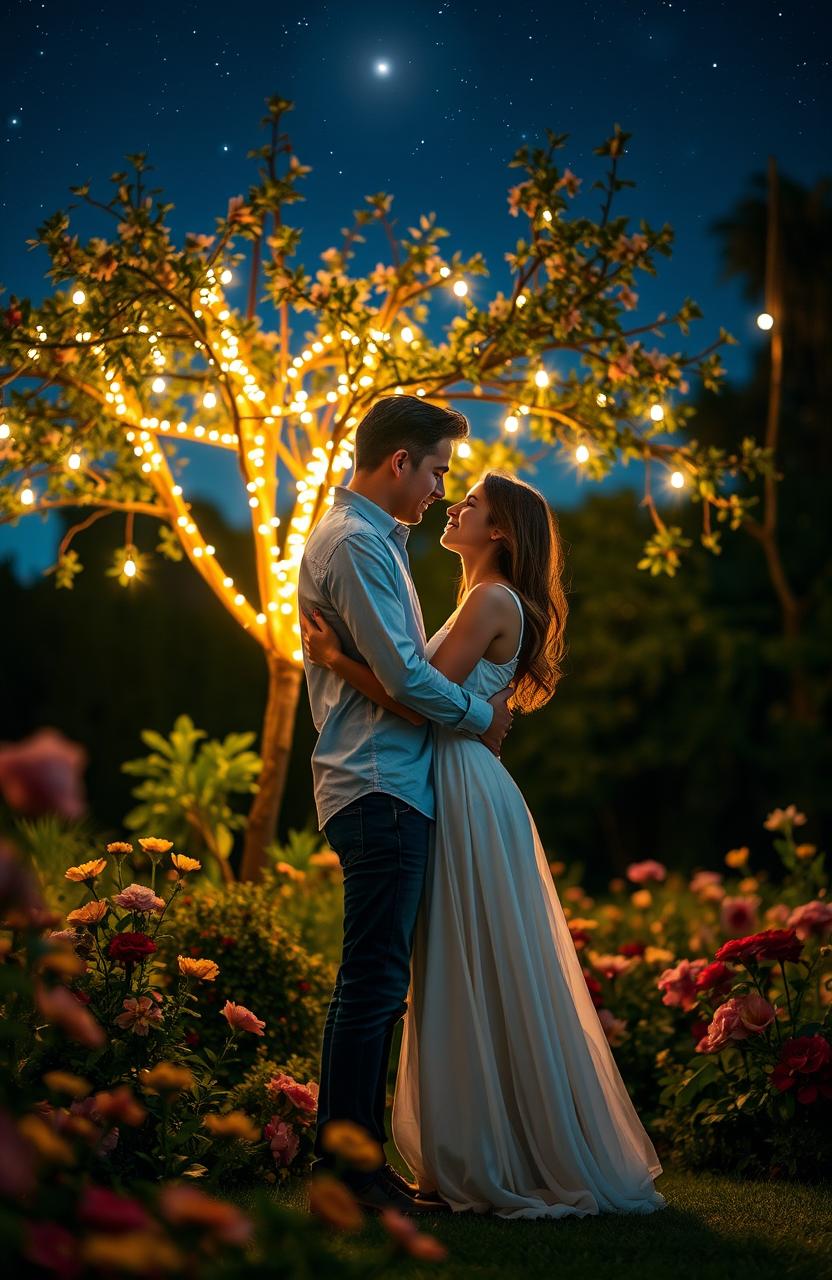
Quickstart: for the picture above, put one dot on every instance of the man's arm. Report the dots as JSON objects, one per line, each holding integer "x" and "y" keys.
{"x": 361, "y": 583}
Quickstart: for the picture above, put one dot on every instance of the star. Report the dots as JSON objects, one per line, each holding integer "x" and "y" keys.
{"x": 382, "y": 68}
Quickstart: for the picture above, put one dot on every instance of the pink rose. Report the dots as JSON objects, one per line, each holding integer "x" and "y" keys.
{"x": 641, "y": 872}
{"x": 239, "y": 1018}
{"x": 283, "y": 1141}
{"x": 812, "y": 918}
{"x": 614, "y": 1028}
{"x": 703, "y": 880}
{"x": 139, "y": 897}
{"x": 303, "y": 1096}
{"x": 738, "y": 916}
{"x": 777, "y": 915}
{"x": 679, "y": 984}
{"x": 42, "y": 774}
{"x": 726, "y": 1025}
{"x": 755, "y": 1012}
{"x": 139, "y": 1015}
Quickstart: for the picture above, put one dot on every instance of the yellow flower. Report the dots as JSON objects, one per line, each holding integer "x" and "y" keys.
{"x": 327, "y": 859}
{"x": 87, "y": 870}
{"x": 151, "y": 844}
{"x": 657, "y": 955}
{"x": 749, "y": 885}
{"x": 291, "y": 873}
{"x": 737, "y": 858}
{"x": 582, "y": 922}
{"x": 641, "y": 899}
{"x": 205, "y": 970}
{"x": 234, "y": 1124}
{"x": 662, "y": 1057}
{"x": 119, "y": 846}
{"x": 353, "y": 1144}
{"x": 334, "y": 1203}
{"x": 48, "y": 1144}
{"x": 139, "y": 1252}
{"x": 806, "y": 850}
{"x": 66, "y": 1082}
{"x": 612, "y": 912}
{"x": 63, "y": 962}
{"x": 184, "y": 864}
{"x": 166, "y": 1077}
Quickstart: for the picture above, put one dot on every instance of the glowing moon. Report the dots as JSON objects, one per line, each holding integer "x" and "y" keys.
{"x": 382, "y": 68}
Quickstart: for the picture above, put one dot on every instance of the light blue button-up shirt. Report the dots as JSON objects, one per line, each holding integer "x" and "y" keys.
{"x": 356, "y": 571}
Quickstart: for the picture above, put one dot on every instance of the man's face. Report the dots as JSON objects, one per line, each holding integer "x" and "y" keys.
{"x": 419, "y": 487}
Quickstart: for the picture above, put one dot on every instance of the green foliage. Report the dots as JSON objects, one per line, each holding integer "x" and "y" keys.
{"x": 242, "y": 927}
{"x": 310, "y": 884}
{"x": 49, "y": 845}
{"x": 186, "y": 790}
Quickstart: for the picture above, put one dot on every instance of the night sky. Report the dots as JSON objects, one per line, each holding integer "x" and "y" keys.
{"x": 427, "y": 101}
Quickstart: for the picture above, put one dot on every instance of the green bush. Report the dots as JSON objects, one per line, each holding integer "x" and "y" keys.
{"x": 262, "y": 966}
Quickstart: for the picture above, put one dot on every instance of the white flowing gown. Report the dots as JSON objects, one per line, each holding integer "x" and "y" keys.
{"x": 508, "y": 1098}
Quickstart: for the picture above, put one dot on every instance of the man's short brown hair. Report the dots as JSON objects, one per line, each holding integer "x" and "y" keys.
{"x": 404, "y": 422}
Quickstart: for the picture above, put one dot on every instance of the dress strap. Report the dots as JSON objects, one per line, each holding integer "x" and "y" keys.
{"x": 519, "y": 604}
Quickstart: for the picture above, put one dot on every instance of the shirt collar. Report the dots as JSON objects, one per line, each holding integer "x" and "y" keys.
{"x": 380, "y": 519}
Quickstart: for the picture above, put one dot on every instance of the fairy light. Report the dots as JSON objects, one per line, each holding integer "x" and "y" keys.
{"x": 541, "y": 378}
{"x": 601, "y": 399}
{"x": 74, "y": 461}
{"x": 27, "y": 496}
{"x": 129, "y": 567}
{"x": 226, "y": 276}
{"x": 209, "y": 400}
{"x": 582, "y": 454}
{"x": 463, "y": 449}
{"x": 158, "y": 385}
{"x": 407, "y": 334}
{"x": 656, "y": 412}
{"x": 765, "y": 321}
{"x": 677, "y": 480}
{"x": 520, "y": 300}
{"x": 79, "y": 297}
{"x": 546, "y": 215}
{"x": 512, "y": 422}
{"x": 460, "y": 288}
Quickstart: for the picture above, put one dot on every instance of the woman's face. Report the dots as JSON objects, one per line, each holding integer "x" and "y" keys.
{"x": 468, "y": 527}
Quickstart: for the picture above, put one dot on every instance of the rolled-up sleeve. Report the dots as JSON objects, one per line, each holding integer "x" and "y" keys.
{"x": 361, "y": 583}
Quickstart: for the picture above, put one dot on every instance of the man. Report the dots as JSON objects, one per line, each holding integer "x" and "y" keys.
{"x": 372, "y": 769}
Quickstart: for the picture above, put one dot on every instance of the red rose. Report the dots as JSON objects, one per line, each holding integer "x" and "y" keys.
{"x": 771, "y": 945}
{"x": 716, "y": 977}
{"x": 130, "y": 948}
{"x": 803, "y": 1056}
{"x": 632, "y": 948}
{"x": 594, "y": 989}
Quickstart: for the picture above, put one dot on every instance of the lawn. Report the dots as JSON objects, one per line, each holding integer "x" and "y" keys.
{"x": 714, "y": 1227}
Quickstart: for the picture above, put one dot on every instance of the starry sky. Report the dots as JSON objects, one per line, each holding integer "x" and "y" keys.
{"x": 426, "y": 100}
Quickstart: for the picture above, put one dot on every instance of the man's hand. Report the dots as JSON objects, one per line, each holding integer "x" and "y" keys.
{"x": 501, "y": 721}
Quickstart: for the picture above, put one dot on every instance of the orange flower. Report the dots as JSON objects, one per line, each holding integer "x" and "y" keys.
{"x": 406, "y": 1234}
{"x": 87, "y": 870}
{"x": 233, "y": 1124}
{"x": 120, "y": 1106}
{"x": 806, "y": 851}
{"x": 59, "y": 1006}
{"x": 119, "y": 846}
{"x": 185, "y": 864}
{"x": 90, "y": 914}
{"x": 334, "y": 1204}
{"x": 205, "y": 970}
{"x": 239, "y": 1018}
{"x": 138, "y": 1252}
{"x": 188, "y": 1206}
{"x": 353, "y": 1144}
{"x": 737, "y": 858}
{"x": 641, "y": 899}
{"x": 151, "y": 844}
{"x": 166, "y": 1077}
{"x": 48, "y": 1144}
{"x": 65, "y": 1082}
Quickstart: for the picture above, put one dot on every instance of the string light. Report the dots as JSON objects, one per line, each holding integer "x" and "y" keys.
{"x": 27, "y": 496}
{"x": 520, "y": 300}
{"x": 541, "y": 378}
{"x": 463, "y": 449}
{"x": 582, "y": 454}
{"x": 129, "y": 567}
{"x": 407, "y": 334}
{"x": 511, "y": 423}
{"x": 158, "y": 385}
{"x": 226, "y": 276}
{"x": 656, "y": 412}
{"x": 209, "y": 400}
{"x": 460, "y": 288}
{"x": 74, "y": 461}
{"x": 677, "y": 480}
{"x": 764, "y": 320}
{"x": 79, "y": 297}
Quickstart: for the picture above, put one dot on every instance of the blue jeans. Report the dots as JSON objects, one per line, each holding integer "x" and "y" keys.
{"x": 382, "y": 844}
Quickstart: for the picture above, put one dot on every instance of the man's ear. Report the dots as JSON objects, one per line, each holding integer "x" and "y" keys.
{"x": 397, "y": 461}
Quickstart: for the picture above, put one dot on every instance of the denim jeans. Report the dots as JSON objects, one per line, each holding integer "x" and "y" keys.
{"x": 382, "y": 844}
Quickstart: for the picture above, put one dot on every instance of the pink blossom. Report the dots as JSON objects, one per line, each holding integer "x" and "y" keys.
{"x": 283, "y": 1141}
{"x": 627, "y": 298}
{"x": 736, "y": 1020}
{"x": 642, "y": 872}
{"x": 43, "y": 774}
{"x": 239, "y": 1018}
{"x": 139, "y": 1015}
{"x": 738, "y": 916}
{"x": 812, "y": 918}
{"x": 679, "y": 983}
{"x": 615, "y": 1029}
{"x": 59, "y": 1006}
{"x": 788, "y": 817}
{"x": 755, "y": 1012}
{"x": 139, "y": 897}
{"x": 777, "y": 915}
{"x": 303, "y": 1096}
{"x": 703, "y": 880}
{"x": 569, "y": 182}
{"x": 88, "y": 1108}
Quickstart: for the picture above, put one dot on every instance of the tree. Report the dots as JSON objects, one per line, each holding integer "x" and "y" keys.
{"x": 138, "y": 352}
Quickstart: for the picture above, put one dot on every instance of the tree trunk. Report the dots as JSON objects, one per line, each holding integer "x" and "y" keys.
{"x": 276, "y": 746}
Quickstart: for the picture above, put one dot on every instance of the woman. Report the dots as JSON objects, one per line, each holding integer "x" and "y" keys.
{"x": 508, "y": 1098}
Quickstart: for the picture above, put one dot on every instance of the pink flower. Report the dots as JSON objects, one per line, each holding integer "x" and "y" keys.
{"x": 679, "y": 984}
{"x": 615, "y": 1029}
{"x": 736, "y": 1020}
{"x": 755, "y": 1012}
{"x": 610, "y": 965}
{"x": 53, "y": 1249}
{"x": 406, "y": 1234}
{"x": 239, "y": 1018}
{"x": 569, "y": 182}
{"x": 812, "y": 918}
{"x": 703, "y": 880}
{"x": 642, "y": 872}
{"x": 139, "y": 1015}
{"x": 627, "y": 298}
{"x": 738, "y": 916}
{"x": 106, "y": 1210}
{"x": 786, "y": 818}
{"x": 43, "y": 774}
{"x": 59, "y": 1006}
{"x": 139, "y": 897}
{"x": 303, "y": 1096}
{"x": 777, "y": 915}
{"x": 283, "y": 1141}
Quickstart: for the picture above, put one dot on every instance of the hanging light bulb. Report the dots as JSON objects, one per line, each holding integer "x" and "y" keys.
{"x": 677, "y": 480}
{"x": 74, "y": 461}
{"x": 582, "y": 454}
{"x": 209, "y": 400}
{"x": 79, "y": 297}
{"x": 129, "y": 567}
{"x": 158, "y": 385}
{"x": 511, "y": 423}
{"x": 460, "y": 288}
{"x": 541, "y": 378}
{"x": 656, "y": 412}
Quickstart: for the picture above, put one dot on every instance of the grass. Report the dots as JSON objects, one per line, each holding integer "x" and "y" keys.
{"x": 713, "y": 1228}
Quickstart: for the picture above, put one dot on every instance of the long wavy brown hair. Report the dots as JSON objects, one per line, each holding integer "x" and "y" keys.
{"x": 530, "y": 557}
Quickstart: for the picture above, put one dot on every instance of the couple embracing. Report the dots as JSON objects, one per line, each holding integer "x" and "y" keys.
{"x": 508, "y": 1099}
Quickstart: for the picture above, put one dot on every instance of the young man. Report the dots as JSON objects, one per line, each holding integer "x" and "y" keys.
{"x": 372, "y": 769}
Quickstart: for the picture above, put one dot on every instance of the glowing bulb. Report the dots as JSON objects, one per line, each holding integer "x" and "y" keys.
{"x": 520, "y": 301}
{"x": 158, "y": 385}
{"x": 677, "y": 480}
{"x": 382, "y": 68}
{"x": 226, "y": 276}
{"x": 407, "y": 334}
{"x": 582, "y": 454}
{"x": 547, "y": 215}
{"x": 463, "y": 449}
{"x": 79, "y": 297}
{"x": 27, "y": 496}
{"x": 129, "y": 568}
{"x": 764, "y": 320}
{"x": 444, "y": 272}
{"x": 74, "y": 461}
{"x": 209, "y": 400}
{"x": 460, "y": 288}
{"x": 511, "y": 423}
{"x": 656, "y": 412}
{"x": 541, "y": 378}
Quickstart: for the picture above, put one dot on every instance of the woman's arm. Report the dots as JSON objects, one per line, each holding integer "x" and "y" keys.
{"x": 323, "y": 647}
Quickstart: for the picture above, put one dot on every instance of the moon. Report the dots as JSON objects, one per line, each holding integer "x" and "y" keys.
{"x": 382, "y": 68}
